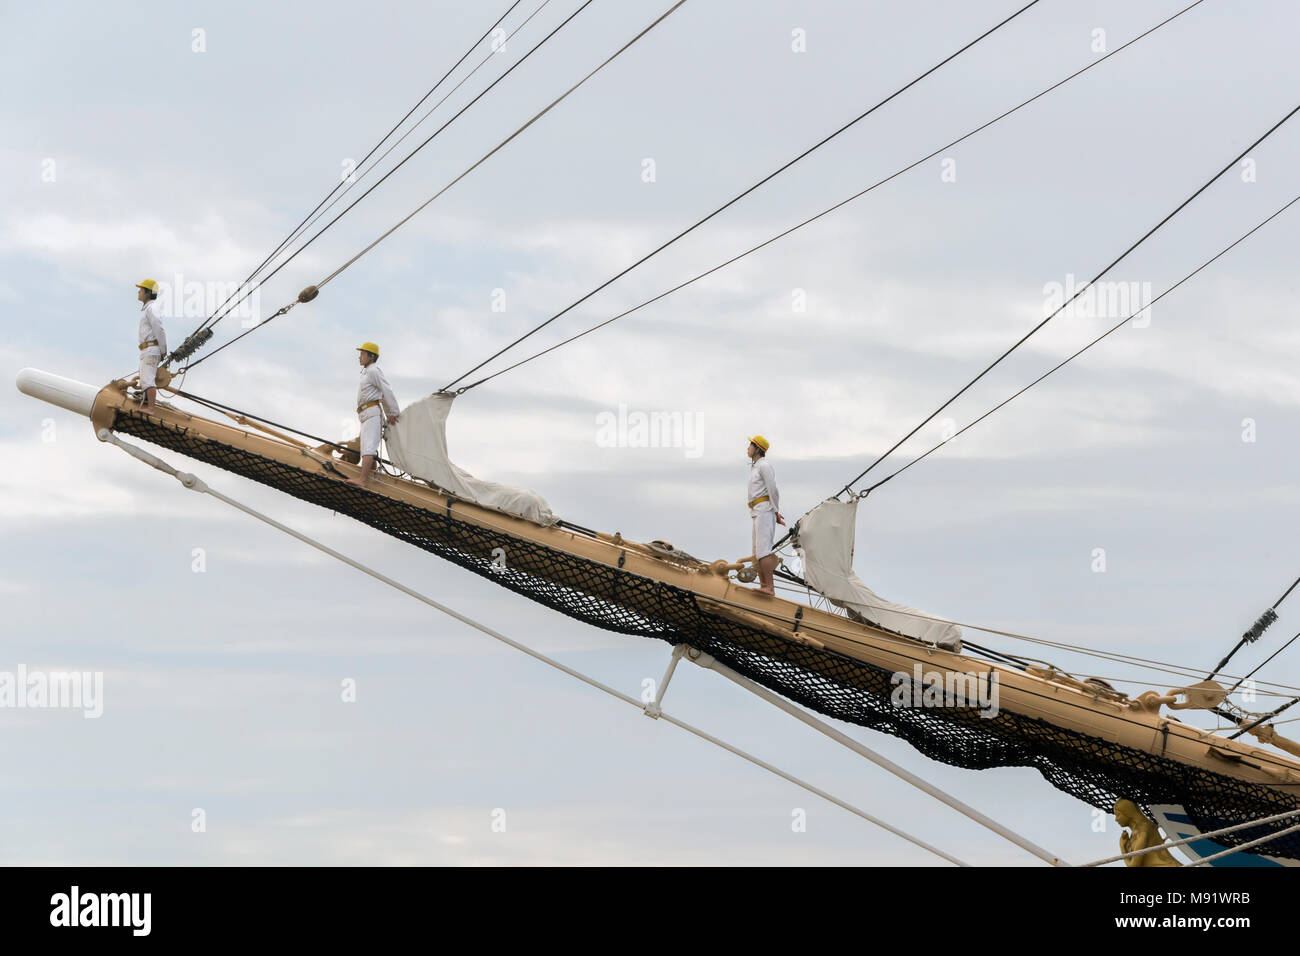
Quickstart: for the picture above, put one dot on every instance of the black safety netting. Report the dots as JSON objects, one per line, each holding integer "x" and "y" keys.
{"x": 1093, "y": 770}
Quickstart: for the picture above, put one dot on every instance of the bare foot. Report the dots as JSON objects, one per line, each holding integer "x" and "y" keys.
{"x": 355, "y": 481}
{"x": 765, "y": 591}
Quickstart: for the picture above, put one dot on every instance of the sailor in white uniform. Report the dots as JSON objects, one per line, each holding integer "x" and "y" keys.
{"x": 152, "y": 341}
{"x": 375, "y": 402}
{"x": 764, "y": 511}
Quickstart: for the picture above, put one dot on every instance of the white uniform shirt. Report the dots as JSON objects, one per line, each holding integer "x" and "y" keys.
{"x": 151, "y": 326}
{"x": 375, "y": 388}
{"x": 763, "y": 482}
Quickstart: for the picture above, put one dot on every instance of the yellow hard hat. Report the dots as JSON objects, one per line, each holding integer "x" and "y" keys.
{"x": 148, "y": 284}
{"x": 761, "y": 442}
{"x": 370, "y": 347}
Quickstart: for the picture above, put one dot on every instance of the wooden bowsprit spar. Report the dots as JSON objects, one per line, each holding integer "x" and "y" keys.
{"x": 1086, "y": 739}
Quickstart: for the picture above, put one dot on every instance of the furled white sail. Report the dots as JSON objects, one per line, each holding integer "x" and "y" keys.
{"x": 825, "y": 543}
{"x": 418, "y": 445}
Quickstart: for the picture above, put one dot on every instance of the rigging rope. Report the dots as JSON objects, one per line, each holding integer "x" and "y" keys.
{"x": 362, "y": 173}
{"x": 1114, "y": 328}
{"x": 1258, "y": 667}
{"x": 408, "y": 156}
{"x": 1114, "y": 262}
{"x": 559, "y": 99}
{"x": 308, "y": 218}
{"x": 825, "y": 212}
{"x": 735, "y": 199}
{"x": 323, "y": 282}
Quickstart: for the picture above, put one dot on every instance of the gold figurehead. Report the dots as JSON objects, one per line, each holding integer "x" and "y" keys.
{"x": 1142, "y": 834}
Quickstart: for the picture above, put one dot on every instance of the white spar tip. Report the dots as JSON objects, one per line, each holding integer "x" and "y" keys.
{"x": 64, "y": 392}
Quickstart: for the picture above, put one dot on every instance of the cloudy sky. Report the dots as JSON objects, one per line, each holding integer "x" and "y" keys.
{"x": 183, "y": 141}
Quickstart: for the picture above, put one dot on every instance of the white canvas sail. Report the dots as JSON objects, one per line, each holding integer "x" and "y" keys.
{"x": 418, "y": 445}
{"x": 825, "y": 543}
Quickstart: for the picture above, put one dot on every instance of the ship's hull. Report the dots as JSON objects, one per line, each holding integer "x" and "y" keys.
{"x": 1177, "y": 825}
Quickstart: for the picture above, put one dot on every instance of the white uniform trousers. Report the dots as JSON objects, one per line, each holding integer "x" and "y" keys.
{"x": 764, "y": 521}
{"x": 372, "y": 429}
{"x": 149, "y": 359}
